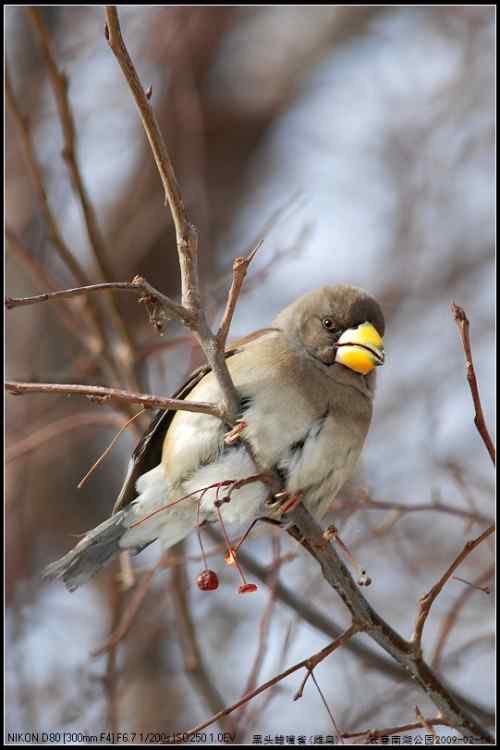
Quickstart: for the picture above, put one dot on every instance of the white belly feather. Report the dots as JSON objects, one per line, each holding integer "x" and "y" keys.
{"x": 315, "y": 464}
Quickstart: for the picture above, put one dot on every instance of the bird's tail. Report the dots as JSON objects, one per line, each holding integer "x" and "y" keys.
{"x": 94, "y": 551}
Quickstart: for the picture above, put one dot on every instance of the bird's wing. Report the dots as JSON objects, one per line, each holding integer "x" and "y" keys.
{"x": 147, "y": 453}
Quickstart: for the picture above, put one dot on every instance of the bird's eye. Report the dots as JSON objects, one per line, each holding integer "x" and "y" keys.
{"x": 328, "y": 324}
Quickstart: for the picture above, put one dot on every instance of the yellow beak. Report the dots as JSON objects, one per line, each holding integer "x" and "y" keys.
{"x": 361, "y": 349}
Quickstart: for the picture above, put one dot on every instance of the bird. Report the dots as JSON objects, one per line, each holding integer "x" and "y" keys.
{"x": 306, "y": 386}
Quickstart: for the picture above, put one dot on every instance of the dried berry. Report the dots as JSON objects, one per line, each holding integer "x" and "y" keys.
{"x": 247, "y": 588}
{"x": 230, "y": 556}
{"x": 208, "y": 580}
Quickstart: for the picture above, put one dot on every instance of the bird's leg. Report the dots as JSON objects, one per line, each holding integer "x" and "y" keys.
{"x": 291, "y": 503}
{"x": 233, "y": 435}
{"x": 282, "y": 502}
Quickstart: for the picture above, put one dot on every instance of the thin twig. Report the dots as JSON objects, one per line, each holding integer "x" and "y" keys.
{"x": 257, "y": 711}
{"x": 327, "y": 707}
{"x": 428, "y": 600}
{"x": 240, "y": 268}
{"x": 43, "y": 435}
{"x": 108, "y": 449}
{"x": 67, "y": 256}
{"x": 111, "y": 676}
{"x": 59, "y": 82}
{"x": 67, "y": 314}
{"x": 452, "y": 616}
{"x": 186, "y": 235}
{"x": 463, "y": 327}
{"x": 194, "y": 664}
{"x": 438, "y": 507}
{"x": 375, "y": 734}
{"x": 484, "y": 589}
{"x": 93, "y": 342}
{"x": 326, "y": 625}
{"x": 138, "y": 285}
{"x": 264, "y": 626}
{"x": 304, "y": 664}
{"x": 424, "y": 722}
{"x": 102, "y": 394}
{"x": 129, "y": 613}
{"x": 23, "y": 129}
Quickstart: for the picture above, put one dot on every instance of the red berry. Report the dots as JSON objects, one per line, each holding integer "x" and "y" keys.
{"x": 207, "y": 580}
{"x": 247, "y": 588}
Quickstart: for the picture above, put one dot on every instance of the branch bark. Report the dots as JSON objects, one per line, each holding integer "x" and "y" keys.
{"x": 102, "y": 394}
{"x": 309, "y": 534}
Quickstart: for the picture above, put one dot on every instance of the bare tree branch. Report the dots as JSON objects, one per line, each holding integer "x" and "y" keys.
{"x": 437, "y": 507}
{"x": 102, "y": 394}
{"x": 375, "y": 734}
{"x": 44, "y": 434}
{"x": 138, "y": 285}
{"x": 23, "y": 129}
{"x": 64, "y": 252}
{"x": 331, "y": 629}
{"x": 60, "y": 83}
{"x": 194, "y": 663}
{"x": 187, "y": 241}
{"x": 185, "y": 233}
{"x": 463, "y": 326}
{"x": 308, "y": 664}
{"x": 309, "y": 534}
{"x": 130, "y": 611}
{"x": 428, "y": 600}
{"x": 451, "y": 618}
{"x": 111, "y": 677}
{"x": 240, "y": 268}
{"x": 67, "y": 315}
{"x": 408, "y": 654}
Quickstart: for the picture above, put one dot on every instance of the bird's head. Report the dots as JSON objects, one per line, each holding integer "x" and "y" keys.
{"x": 337, "y": 325}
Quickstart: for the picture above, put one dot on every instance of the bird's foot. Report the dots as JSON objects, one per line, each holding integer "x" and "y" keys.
{"x": 233, "y": 435}
{"x": 283, "y": 502}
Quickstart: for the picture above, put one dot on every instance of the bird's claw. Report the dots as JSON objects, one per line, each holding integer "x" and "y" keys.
{"x": 283, "y": 502}
{"x": 233, "y": 435}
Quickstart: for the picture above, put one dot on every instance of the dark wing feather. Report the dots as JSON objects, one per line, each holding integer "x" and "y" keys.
{"x": 147, "y": 453}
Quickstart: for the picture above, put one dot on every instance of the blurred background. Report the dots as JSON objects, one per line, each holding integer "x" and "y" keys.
{"x": 360, "y": 142}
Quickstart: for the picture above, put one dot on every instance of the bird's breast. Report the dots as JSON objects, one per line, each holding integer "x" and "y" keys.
{"x": 322, "y": 461}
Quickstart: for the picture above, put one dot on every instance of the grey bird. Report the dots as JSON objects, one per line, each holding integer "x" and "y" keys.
{"x": 306, "y": 388}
